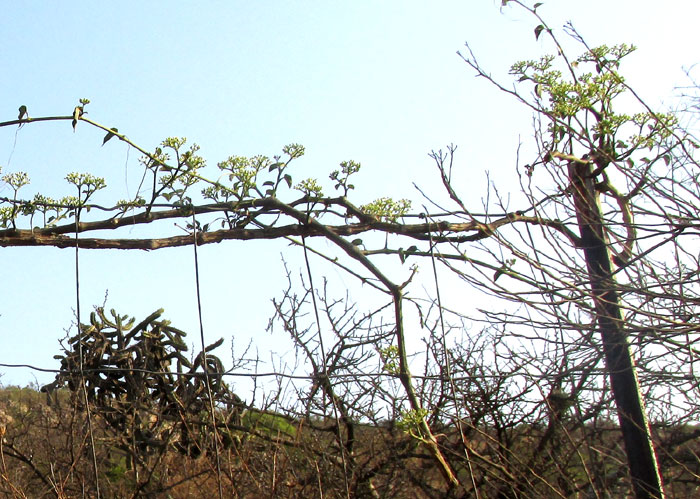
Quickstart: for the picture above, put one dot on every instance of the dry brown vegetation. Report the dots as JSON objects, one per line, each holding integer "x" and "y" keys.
{"x": 45, "y": 453}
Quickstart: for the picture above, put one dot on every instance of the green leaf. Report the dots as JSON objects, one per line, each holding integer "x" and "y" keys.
{"x": 357, "y": 242}
{"x": 22, "y": 112}
{"x": 77, "y": 113}
{"x": 538, "y": 31}
{"x": 536, "y": 5}
{"x": 109, "y": 135}
{"x": 288, "y": 179}
{"x": 498, "y": 273}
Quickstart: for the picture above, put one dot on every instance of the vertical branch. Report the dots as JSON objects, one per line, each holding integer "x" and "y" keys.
{"x": 205, "y": 364}
{"x": 80, "y": 350}
{"x": 347, "y": 446}
{"x": 448, "y": 363}
{"x": 407, "y": 381}
{"x": 636, "y": 434}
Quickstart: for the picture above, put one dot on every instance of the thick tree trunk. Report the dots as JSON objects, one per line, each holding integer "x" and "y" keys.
{"x": 644, "y": 470}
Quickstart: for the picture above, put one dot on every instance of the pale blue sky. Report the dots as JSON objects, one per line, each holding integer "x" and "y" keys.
{"x": 377, "y": 82}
